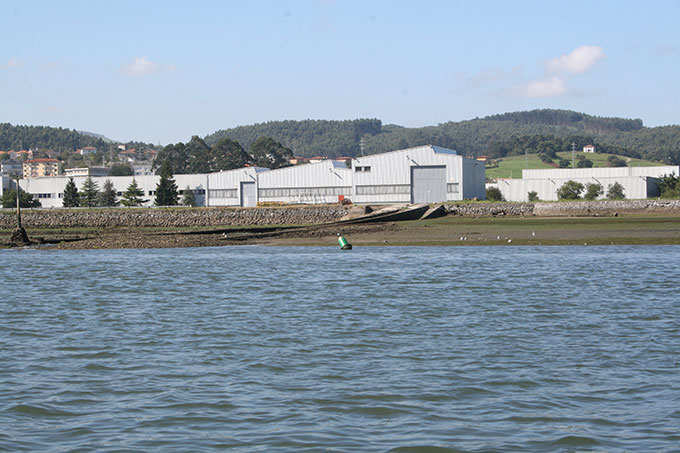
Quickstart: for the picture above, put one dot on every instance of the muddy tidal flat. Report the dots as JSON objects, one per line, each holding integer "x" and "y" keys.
{"x": 449, "y": 231}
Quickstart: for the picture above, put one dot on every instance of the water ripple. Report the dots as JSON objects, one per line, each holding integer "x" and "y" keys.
{"x": 307, "y": 349}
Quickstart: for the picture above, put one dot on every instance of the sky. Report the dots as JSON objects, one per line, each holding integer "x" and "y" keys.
{"x": 163, "y": 71}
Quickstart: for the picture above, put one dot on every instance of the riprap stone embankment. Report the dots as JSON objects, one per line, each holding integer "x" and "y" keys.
{"x": 171, "y": 217}
{"x": 301, "y": 215}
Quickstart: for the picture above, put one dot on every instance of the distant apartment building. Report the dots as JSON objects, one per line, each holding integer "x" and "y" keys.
{"x": 11, "y": 167}
{"x": 142, "y": 169}
{"x": 86, "y": 171}
{"x": 38, "y": 168}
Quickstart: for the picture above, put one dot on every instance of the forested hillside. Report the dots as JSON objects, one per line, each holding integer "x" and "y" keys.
{"x": 43, "y": 137}
{"x": 308, "y": 137}
{"x": 534, "y": 131}
{"x": 498, "y": 135}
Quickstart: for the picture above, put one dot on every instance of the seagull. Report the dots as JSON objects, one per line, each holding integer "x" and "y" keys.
{"x": 533, "y": 233}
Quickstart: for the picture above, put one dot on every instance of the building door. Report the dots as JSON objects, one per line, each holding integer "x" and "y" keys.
{"x": 428, "y": 184}
{"x": 248, "y": 194}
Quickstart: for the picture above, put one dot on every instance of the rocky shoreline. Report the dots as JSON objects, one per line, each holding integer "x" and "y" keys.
{"x": 306, "y": 215}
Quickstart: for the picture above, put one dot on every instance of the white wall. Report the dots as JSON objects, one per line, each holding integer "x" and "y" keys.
{"x": 600, "y": 172}
{"x": 393, "y": 171}
{"x": 637, "y": 182}
{"x": 474, "y": 179}
{"x": 224, "y": 188}
{"x": 518, "y": 189}
{"x": 388, "y": 181}
{"x": 320, "y": 182}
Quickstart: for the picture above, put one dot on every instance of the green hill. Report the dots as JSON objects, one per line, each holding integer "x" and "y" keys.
{"x": 511, "y": 167}
{"x": 496, "y": 135}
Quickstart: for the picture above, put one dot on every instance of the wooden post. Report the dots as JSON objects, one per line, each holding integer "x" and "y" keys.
{"x": 18, "y": 204}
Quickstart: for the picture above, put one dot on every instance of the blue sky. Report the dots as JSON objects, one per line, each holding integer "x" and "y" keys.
{"x": 162, "y": 71}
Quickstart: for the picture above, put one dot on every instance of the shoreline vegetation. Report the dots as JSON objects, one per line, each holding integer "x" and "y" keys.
{"x": 658, "y": 227}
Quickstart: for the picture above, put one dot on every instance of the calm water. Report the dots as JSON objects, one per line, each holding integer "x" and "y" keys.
{"x": 305, "y": 349}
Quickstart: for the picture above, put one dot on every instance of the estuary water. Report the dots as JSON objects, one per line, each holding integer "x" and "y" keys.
{"x": 307, "y": 349}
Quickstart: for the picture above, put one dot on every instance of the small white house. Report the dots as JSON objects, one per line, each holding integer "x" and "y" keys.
{"x": 589, "y": 149}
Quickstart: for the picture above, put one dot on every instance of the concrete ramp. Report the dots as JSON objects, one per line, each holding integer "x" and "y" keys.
{"x": 434, "y": 212}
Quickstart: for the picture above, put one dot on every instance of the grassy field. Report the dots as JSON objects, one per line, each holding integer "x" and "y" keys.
{"x": 511, "y": 167}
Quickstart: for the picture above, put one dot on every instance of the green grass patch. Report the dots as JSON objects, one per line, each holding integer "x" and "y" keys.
{"x": 511, "y": 167}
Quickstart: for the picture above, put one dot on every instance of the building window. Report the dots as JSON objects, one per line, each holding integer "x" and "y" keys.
{"x": 452, "y": 187}
{"x": 362, "y": 169}
{"x": 220, "y": 193}
{"x": 384, "y": 189}
{"x": 281, "y": 192}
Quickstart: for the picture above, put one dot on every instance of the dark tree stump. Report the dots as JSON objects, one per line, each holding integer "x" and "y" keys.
{"x": 19, "y": 237}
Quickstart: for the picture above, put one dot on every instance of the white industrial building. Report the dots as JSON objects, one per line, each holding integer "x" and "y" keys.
{"x": 321, "y": 182}
{"x": 637, "y": 182}
{"x": 425, "y": 174}
{"x": 230, "y": 188}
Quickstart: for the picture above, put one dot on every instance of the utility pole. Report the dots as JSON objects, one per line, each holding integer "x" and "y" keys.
{"x": 573, "y": 155}
{"x": 19, "y": 236}
{"x": 16, "y": 180}
{"x": 526, "y": 158}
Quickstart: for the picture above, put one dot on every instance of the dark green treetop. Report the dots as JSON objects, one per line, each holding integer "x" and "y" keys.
{"x": 108, "y": 195}
{"x": 133, "y": 195}
{"x": 166, "y": 189}
{"x": 71, "y": 196}
{"x": 229, "y": 154}
{"x": 26, "y": 200}
{"x": 269, "y": 153}
{"x": 615, "y": 192}
{"x": 570, "y": 190}
{"x": 188, "y": 197}
{"x": 89, "y": 193}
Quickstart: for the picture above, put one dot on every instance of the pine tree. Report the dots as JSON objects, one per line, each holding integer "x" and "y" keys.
{"x": 89, "y": 193}
{"x": 71, "y": 196}
{"x": 166, "y": 189}
{"x": 107, "y": 197}
{"x": 133, "y": 195}
{"x": 189, "y": 198}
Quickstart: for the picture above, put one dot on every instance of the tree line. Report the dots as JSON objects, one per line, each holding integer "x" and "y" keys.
{"x": 90, "y": 195}
{"x": 197, "y": 156}
{"x": 495, "y": 134}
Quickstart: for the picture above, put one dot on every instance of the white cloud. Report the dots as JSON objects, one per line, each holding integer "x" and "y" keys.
{"x": 578, "y": 61}
{"x": 544, "y": 88}
{"x": 559, "y": 72}
{"x": 13, "y": 62}
{"x": 139, "y": 67}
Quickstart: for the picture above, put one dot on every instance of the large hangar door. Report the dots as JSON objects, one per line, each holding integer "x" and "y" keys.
{"x": 248, "y": 194}
{"x": 428, "y": 184}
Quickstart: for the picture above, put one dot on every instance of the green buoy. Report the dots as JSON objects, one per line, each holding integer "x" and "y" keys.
{"x": 344, "y": 245}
